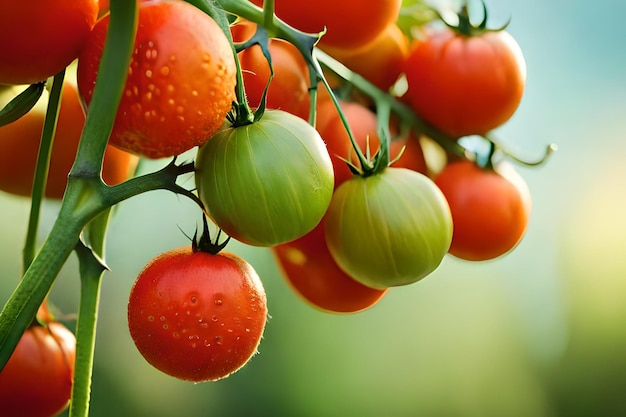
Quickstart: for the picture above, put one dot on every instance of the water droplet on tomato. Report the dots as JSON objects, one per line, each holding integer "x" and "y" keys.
{"x": 218, "y": 302}
{"x": 219, "y": 340}
{"x": 150, "y": 319}
{"x": 165, "y": 70}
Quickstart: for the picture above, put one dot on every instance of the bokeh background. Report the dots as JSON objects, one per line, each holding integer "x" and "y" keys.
{"x": 538, "y": 333}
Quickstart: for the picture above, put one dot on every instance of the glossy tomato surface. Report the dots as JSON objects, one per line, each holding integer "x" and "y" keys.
{"x": 289, "y": 89}
{"x": 465, "y": 85}
{"x": 181, "y": 80}
{"x": 388, "y": 229}
{"x": 37, "y": 379}
{"x": 39, "y": 38}
{"x": 197, "y": 316}
{"x": 268, "y": 182}
{"x": 490, "y": 208}
{"x": 313, "y": 274}
{"x": 348, "y": 23}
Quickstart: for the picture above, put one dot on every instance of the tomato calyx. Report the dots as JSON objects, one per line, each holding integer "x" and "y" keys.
{"x": 466, "y": 27}
{"x": 204, "y": 243}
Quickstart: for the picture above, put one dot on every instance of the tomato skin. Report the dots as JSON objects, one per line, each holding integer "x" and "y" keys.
{"x": 348, "y": 23}
{"x": 490, "y": 209}
{"x": 37, "y": 379}
{"x": 289, "y": 89}
{"x": 310, "y": 270}
{"x": 381, "y": 61}
{"x": 51, "y": 35}
{"x": 268, "y": 182}
{"x": 197, "y": 316}
{"x": 19, "y": 146}
{"x": 465, "y": 85}
{"x": 363, "y": 125}
{"x": 181, "y": 81}
{"x": 388, "y": 229}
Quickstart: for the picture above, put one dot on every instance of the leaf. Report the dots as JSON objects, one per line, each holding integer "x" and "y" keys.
{"x": 21, "y": 104}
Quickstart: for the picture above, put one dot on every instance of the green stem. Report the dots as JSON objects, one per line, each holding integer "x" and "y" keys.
{"x": 404, "y": 112}
{"x": 91, "y": 272}
{"x": 41, "y": 171}
{"x": 84, "y": 197}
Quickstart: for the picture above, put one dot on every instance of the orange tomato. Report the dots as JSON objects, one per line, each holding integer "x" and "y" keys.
{"x": 310, "y": 270}
{"x": 289, "y": 89}
{"x": 38, "y": 38}
{"x": 348, "y": 23}
{"x": 363, "y": 124}
{"x": 19, "y": 146}
{"x": 381, "y": 61}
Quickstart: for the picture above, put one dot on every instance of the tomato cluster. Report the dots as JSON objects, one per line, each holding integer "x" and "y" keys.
{"x": 324, "y": 165}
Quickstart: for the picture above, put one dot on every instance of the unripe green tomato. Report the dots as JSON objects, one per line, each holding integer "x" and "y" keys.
{"x": 388, "y": 229}
{"x": 268, "y": 182}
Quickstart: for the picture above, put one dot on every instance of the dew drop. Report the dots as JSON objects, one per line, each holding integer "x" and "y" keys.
{"x": 165, "y": 326}
{"x": 162, "y": 318}
{"x": 207, "y": 343}
{"x": 150, "y": 319}
{"x": 218, "y": 302}
{"x": 204, "y": 325}
{"x": 214, "y": 319}
{"x": 194, "y": 299}
{"x": 219, "y": 340}
{"x": 149, "y": 73}
{"x": 176, "y": 335}
{"x": 165, "y": 70}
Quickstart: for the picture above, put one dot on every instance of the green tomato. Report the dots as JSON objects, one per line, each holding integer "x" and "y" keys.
{"x": 388, "y": 229}
{"x": 268, "y": 182}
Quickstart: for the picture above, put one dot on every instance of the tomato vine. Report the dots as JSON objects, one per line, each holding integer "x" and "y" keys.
{"x": 82, "y": 221}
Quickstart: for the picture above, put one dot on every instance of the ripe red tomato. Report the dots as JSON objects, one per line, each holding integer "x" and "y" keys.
{"x": 19, "y": 145}
{"x": 197, "y": 316}
{"x": 289, "y": 89}
{"x": 381, "y": 61}
{"x": 465, "y": 85}
{"x": 388, "y": 229}
{"x": 38, "y": 38}
{"x": 181, "y": 80}
{"x": 268, "y": 182}
{"x": 37, "y": 379}
{"x": 349, "y": 24}
{"x": 490, "y": 208}
{"x": 311, "y": 271}
{"x": 363, "y": 124}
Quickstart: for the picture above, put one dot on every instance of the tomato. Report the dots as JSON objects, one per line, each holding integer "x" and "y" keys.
{"x": 181, "y": 80}
{"x": 388, "y": 229}
{"x": 490, "y": 208}
{"x": 197, "y": 316}
{"x": 268, "y": 182}
{"x": 39, "y": 38}
{"x": 465, "y": 85}
{"x": 312, "y": 273}
{"x": 19, "y": 146}
{"x": 37, "y": 379}
{"x": 289, "y": 89}
{"x": 363, "y": 125}
{"x": 349, "y": 24}
{"x": 381, "y": 61}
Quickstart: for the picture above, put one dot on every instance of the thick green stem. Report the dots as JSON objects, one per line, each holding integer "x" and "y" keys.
{"x": 41, "y": 171}
{"x": 91, "y": 272}
{"x": 84, "y": 197}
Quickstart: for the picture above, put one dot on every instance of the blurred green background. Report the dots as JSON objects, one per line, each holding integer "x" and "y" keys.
{"x": 538, "y": 333}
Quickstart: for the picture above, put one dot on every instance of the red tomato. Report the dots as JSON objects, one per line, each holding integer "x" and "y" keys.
{"x": 363, "y": 124}
{"x": 181, "y": 80}
{"x": 311, "y": 271}
{"x": 37, "y": 379}
{"x": 381, "y": 61}
{"x": 289, "y": 90}
{"x": 465, "y": 85}
{"x": 490, "y": 209}
{"x": 349, "y": 24}
{"x": 197, "y": 316}
{"x": 19, "y": 145}
{"x": 38, "y": 38}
